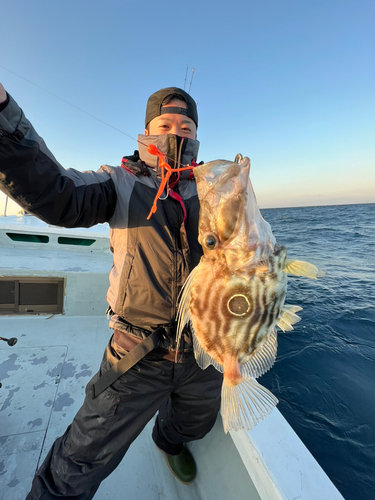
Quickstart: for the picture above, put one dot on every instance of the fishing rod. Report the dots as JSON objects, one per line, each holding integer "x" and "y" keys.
{"x": 191, "y": 81}
{"x": 192, "y": 76}
{"x": 84, "y": 111}
{"x": 187, "y": 67}
{"x": 152, "y": 149}
{"x": 70, "y": 104}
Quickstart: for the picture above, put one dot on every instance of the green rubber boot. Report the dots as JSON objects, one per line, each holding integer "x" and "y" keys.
{"x": 182, "y": 466}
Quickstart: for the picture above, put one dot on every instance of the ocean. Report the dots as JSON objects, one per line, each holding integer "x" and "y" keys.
{"x": 324, "y": 375}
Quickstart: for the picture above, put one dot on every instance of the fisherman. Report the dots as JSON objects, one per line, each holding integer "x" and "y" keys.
{"x": 141, "y": 373}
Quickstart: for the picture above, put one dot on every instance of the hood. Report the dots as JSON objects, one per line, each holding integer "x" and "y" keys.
{"x": 178, "y": 150}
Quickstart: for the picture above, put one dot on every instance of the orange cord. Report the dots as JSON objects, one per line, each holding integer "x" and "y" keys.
{"x": 152, "y": 149}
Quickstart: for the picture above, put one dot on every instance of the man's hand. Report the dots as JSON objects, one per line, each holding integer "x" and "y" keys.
{"x": 3, "y": 94}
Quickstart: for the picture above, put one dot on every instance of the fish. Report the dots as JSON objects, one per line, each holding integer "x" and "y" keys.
{"x": 234, "y": 299}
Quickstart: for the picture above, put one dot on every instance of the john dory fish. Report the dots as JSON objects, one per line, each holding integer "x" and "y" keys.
{"x": 235, "y": 297}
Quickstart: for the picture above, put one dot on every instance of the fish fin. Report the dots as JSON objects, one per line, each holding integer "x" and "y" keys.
{"x": 263, "y": 359}
{"x": 183, "y": 310}
{"x": 243, "y": 405}
{"x": 288, "y": 317}
{"x": 300, "y": 268}
{"x": 263, "y": 267}
{"x": 203, "y": 359}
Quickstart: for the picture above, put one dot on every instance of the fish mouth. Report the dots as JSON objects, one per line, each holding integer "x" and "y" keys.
{"x": 238, "y": 305}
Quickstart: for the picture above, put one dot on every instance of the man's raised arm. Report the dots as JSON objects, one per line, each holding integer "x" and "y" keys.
{"x": 30, "y": 174}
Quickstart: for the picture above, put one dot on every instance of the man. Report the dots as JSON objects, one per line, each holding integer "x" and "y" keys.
{"x": 141, "y": 373}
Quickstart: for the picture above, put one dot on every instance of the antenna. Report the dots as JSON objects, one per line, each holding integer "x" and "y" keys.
{"x": 187, "y": 67}
{"x": 191, "y": 81}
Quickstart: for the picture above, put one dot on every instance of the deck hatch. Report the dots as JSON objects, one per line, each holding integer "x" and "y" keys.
{"x": 28, "y": 238}
{"x": 31, "y": 295}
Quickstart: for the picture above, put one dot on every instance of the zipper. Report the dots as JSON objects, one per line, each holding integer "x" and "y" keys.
{"x": 175, "y": 242}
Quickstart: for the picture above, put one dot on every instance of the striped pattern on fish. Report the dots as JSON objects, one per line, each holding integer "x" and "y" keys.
{"x": 235, "y": 297}
{"x": 231, "y": 312}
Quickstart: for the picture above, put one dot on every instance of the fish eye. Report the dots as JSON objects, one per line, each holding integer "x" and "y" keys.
{"x": 210, "y": 241}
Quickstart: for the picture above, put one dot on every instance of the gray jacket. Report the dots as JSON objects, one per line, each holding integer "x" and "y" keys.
{"x": 151, "y": 258}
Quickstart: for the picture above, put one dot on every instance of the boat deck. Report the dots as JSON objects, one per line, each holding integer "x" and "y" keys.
{"x": 43, "y": 379}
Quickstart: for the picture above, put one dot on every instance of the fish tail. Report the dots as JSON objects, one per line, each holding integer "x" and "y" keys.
{"x": 243, "y": 405}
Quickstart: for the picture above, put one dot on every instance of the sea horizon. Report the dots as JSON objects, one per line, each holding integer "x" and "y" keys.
{"x": 2, "y": 214}
{"x": 322, "y": 205}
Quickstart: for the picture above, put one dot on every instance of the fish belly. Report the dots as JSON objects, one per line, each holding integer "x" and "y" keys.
{"x": 231, "y": 315}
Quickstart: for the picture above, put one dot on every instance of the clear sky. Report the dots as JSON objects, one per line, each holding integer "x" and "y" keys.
{"x": 289, "y": 83}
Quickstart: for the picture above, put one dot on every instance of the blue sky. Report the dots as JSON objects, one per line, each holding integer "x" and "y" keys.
{"x": 291, "y": 84}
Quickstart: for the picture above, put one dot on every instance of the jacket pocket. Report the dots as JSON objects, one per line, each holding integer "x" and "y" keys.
{"x": 124, "y": 279}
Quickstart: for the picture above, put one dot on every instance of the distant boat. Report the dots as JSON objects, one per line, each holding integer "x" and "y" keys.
{"x": 53, "y": 283}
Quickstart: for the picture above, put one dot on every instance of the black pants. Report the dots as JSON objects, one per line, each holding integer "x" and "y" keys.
{"x": 188, "y": 400}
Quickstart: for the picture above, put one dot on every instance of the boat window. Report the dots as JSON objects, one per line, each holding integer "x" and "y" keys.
{"x": 38, "y": 293}
{"x": 85, "y": 242}
{"x": 28, "y": 238}
{"x": 29, "y": 295}
{"x": 7, "y": 292}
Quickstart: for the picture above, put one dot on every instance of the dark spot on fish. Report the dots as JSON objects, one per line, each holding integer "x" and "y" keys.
{"x": 238, "y": 305}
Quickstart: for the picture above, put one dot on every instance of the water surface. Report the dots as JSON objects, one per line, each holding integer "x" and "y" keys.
{"x": 325, "y": 370}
